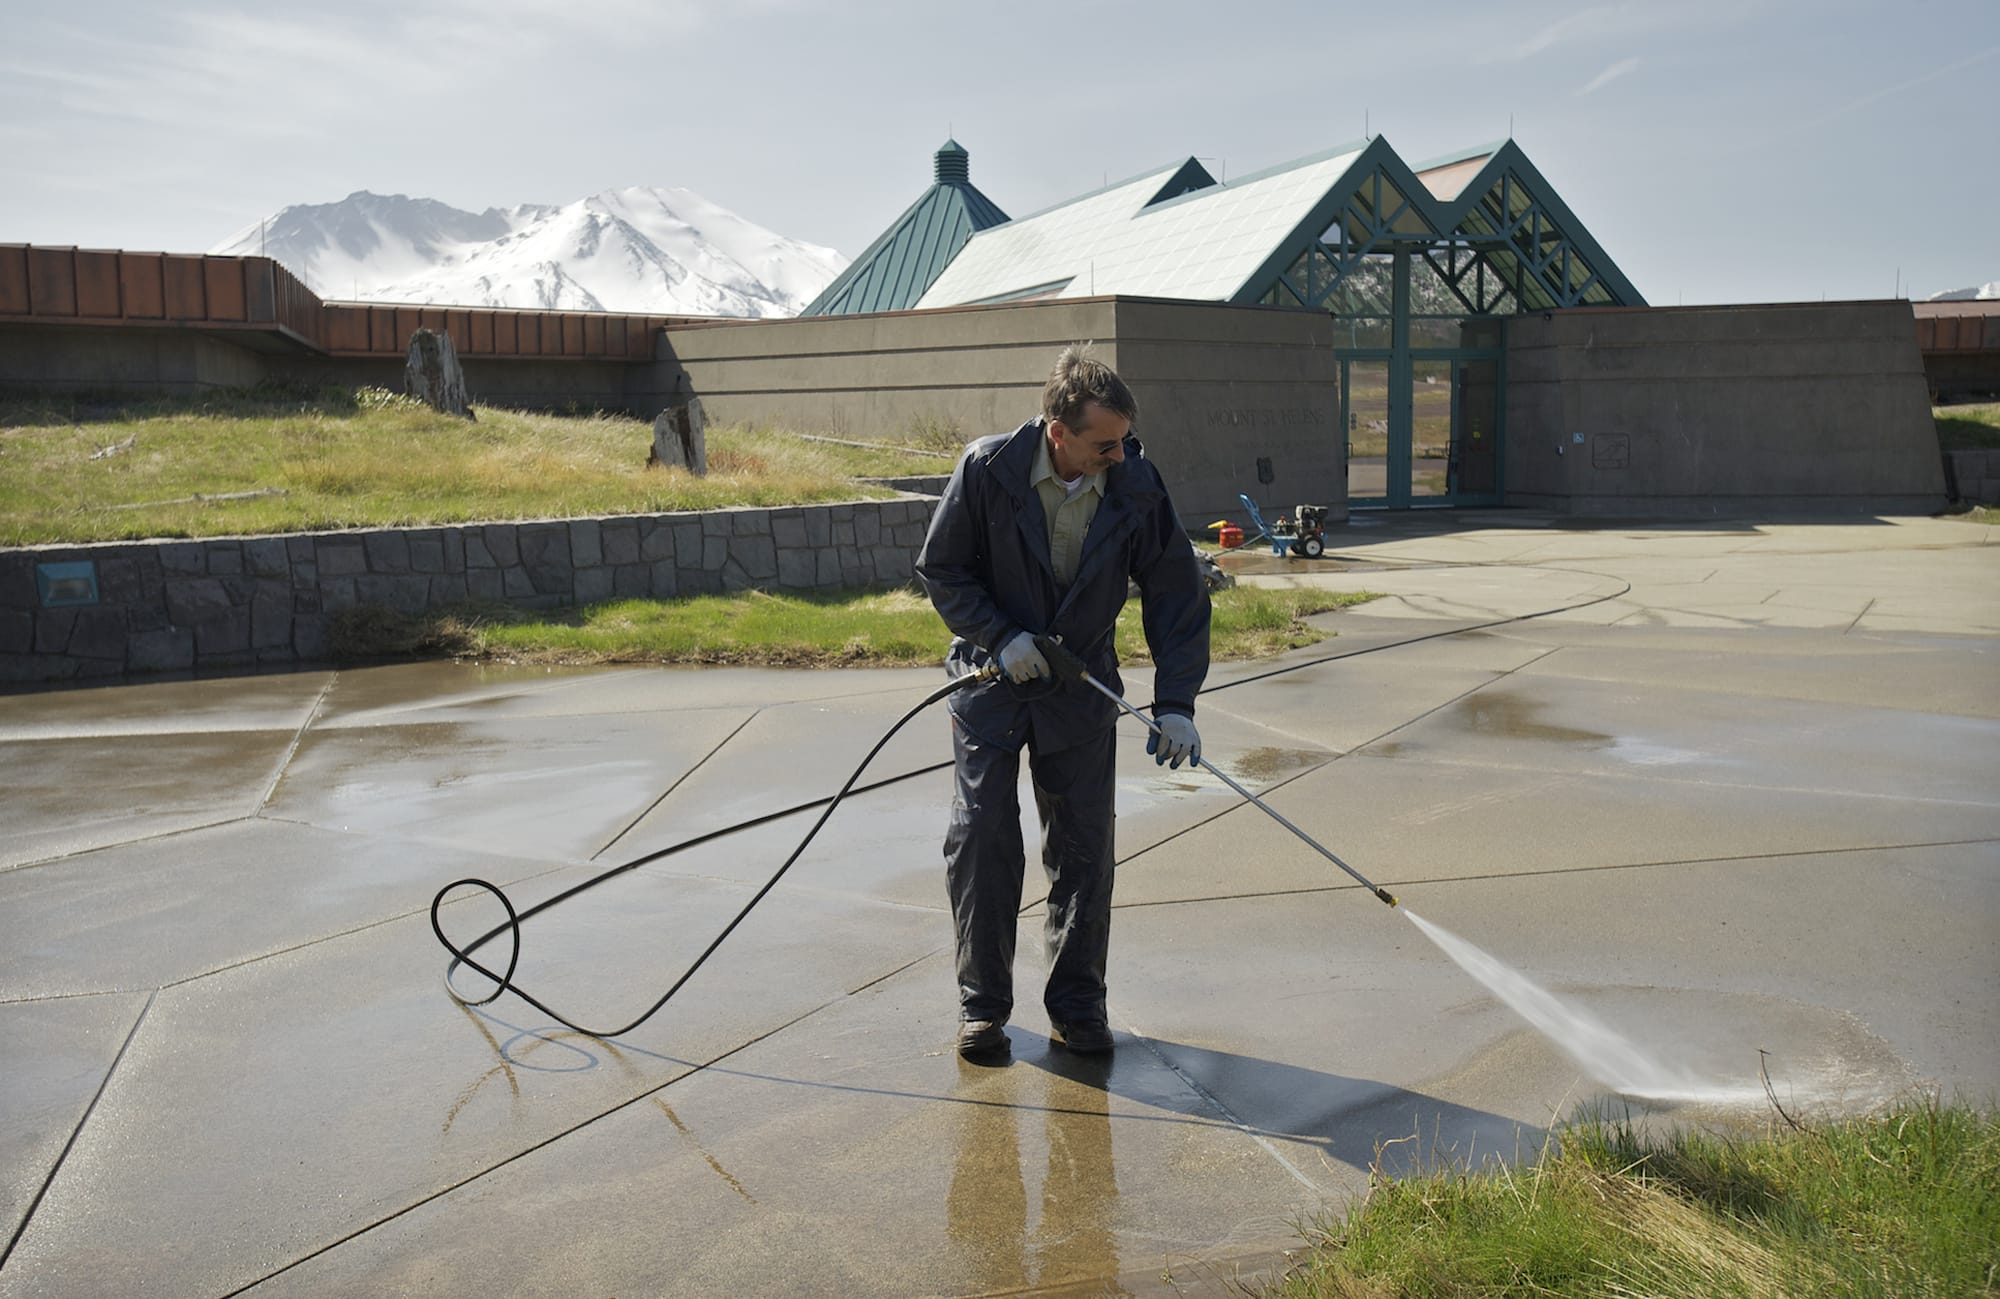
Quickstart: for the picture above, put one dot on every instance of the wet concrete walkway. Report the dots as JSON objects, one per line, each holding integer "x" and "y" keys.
{"x": 1740, "y": 801}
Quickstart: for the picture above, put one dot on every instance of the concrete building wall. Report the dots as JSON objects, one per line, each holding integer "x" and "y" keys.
{"x": 1720, "y": 410}
{"x": 516, "y": 383}
{"x": 877, "y": 376}
{"x": 1220, "y": 388}
{"x": 183, "y": 362}
{"x": 144, "y": 362}
{"x": 1236, "y": 400}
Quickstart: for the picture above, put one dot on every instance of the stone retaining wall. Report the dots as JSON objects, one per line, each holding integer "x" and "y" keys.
{"x": 1975, "y": 475}
{"x": 70, "y": 612}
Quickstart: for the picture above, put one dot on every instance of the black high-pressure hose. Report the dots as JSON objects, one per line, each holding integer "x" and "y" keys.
{"x": 505, "y": 982}
{"x": 512, "y": 925}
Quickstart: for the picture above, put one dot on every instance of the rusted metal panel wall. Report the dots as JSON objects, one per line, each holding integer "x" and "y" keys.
{"x": 97, "y": 285}
{"x": 109, "y": 286}
{"x": 52, "y": 281}
{"x": 14, "y": 300}
{"x": 143, "y": 285}
{"x": 187, "y": 296}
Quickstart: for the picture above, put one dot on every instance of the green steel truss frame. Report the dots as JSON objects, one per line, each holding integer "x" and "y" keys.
{"x": 1506, "y": 244}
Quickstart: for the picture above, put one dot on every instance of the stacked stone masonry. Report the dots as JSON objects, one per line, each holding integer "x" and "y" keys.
{"x": 1976, "y": 475}
{"x": 238, "y": 602}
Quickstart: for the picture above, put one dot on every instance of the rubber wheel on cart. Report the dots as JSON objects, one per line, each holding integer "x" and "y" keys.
{"x": 1311, "y": 547}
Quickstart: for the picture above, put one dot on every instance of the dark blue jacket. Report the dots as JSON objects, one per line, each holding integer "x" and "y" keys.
{"x": 985, "y": 563}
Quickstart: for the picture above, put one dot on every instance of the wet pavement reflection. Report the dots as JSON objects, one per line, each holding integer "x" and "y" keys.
{"x": 1072, "y": 1235}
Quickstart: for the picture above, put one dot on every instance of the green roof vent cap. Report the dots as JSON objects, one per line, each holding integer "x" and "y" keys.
{"x": 954, "y": 164}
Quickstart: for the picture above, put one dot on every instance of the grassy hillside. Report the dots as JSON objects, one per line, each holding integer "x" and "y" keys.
{"x": 272, "y": 460}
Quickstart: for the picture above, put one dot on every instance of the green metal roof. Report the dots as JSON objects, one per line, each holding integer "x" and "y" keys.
{"x": 896, "y": 269}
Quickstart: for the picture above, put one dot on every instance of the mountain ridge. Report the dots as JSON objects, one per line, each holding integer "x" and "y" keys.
{"x": 639, "y": 249}
{"x": 1977, "y": 293}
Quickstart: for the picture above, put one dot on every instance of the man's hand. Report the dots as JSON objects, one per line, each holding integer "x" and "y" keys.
{"x": 1176, "y": 739}
{"x": 1021, "y": 661}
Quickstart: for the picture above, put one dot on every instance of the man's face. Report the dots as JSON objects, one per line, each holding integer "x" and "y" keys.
{"x": 1095, "y": 443}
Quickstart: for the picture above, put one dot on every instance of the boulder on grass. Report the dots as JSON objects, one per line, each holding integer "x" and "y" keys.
{"x": 433, "y": 374}
{"x": 679, "y": 438}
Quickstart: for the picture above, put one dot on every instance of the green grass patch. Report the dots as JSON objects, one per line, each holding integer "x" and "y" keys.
{"x": 1904, "y": 1203}
{"x": 1967, "y": 428}
{"x": 842, "y": 629}
{"x": 291, "y": 459}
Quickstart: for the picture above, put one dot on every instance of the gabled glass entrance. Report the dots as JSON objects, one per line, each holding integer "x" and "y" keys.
{"x": 1418, "y": 287}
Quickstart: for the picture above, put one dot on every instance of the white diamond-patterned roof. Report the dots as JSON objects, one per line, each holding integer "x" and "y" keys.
{"x": 1203, "y": 246}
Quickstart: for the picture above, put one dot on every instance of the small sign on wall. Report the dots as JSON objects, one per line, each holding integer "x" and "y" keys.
{"x": 70, "y": 583}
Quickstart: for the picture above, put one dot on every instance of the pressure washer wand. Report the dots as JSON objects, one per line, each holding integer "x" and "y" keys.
{"x": 1069, "y": 665}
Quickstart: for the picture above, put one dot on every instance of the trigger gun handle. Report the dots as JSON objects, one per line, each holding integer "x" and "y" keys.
{"x": 1064, "y": 664}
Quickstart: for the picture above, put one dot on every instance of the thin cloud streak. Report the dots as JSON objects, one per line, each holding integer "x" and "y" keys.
{"x": 1608, "y": 76}
{"x": 1856, "y": 105}
{"x": 1588, "y": 22}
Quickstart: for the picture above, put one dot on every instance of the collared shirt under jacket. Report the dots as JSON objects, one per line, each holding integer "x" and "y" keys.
{"x": 986, "y": 565}
{"x": 1069, "y": 508}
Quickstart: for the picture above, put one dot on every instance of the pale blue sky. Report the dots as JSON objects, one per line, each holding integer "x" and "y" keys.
{"x": 1745, "y": 150}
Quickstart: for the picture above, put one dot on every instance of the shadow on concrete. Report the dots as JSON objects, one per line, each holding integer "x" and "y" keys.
{"x": 1359, "y": 1123}
{"x": 1356, "y": 1122}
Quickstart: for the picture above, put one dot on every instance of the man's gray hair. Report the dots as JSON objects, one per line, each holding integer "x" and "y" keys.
{"x": 1079, "y": 379}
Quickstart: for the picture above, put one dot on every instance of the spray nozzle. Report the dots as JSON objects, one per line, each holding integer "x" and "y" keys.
{"x": 1064, "y": 664}
{"x": 1386, "y": 896}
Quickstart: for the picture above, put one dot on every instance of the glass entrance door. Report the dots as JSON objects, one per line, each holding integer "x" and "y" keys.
{"x": 1364, "y": 403}
{"x": 1432, "y": 412}
{"x": 1424, "y": 433}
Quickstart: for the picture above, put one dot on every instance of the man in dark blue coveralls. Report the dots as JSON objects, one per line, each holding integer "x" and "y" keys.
{"x": 1038, "y": 533}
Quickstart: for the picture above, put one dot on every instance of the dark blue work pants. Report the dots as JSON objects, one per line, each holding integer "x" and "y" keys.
{"x": 984, "y": 864}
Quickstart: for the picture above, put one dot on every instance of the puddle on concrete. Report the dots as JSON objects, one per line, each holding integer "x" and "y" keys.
{"x": 1499, "y": 713}
{"x": 1260, "y": 562}
{"x": 1267, "y": 764}
{"x": 1503, "y": 715}
{"x": 1264, "y": 765}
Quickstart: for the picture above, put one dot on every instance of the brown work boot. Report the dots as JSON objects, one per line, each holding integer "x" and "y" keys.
{"x": 1085, "y": 1037}
{"x": 982, "y": 1037}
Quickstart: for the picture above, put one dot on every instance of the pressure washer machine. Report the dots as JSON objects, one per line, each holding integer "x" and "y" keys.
{"x": 1304, "y": 534}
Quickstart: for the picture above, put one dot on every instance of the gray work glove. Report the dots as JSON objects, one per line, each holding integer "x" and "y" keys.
{"x": 1021, "y": 661}
{"x": 1176, "y": 739}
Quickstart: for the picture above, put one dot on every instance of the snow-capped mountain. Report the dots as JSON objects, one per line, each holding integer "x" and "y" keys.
{"x": 1980, "y": 293}
{"x": 660, "y": 251}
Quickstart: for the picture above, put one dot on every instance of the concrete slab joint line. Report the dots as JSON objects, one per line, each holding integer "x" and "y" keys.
{"x": 28, "y": 1216}
{"x": 298, "y": 738}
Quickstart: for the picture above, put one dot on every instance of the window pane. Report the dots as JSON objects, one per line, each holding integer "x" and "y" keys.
{"x": 1430, "y": 425}
{"x": 1367, "y": 402}
{"x": 1430, "y": 293}
{"x": 1362, "y": 331}
{"x": 1368, "y": 287}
